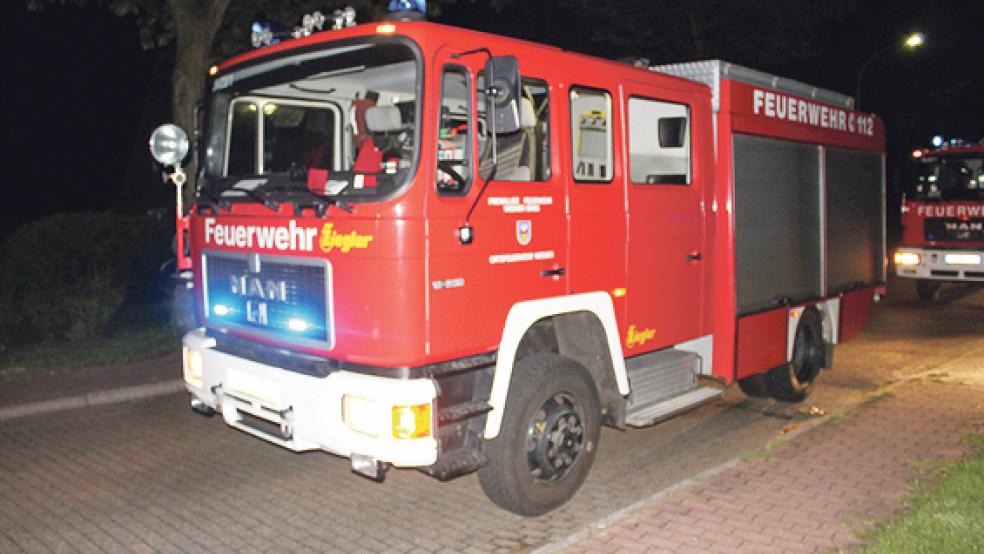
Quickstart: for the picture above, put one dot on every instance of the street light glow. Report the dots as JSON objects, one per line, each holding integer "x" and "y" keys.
{"x": 915, "y": 40}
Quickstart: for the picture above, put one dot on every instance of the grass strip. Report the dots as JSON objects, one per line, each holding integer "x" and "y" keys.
{"x": 124, "y": 347}
{"x": 945, "y": 514}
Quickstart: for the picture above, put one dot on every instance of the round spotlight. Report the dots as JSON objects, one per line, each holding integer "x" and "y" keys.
{"x": 169, "y": 145}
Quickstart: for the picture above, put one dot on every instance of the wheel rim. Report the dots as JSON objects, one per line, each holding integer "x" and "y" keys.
{"x": 806, "y": 354}
{"x": 554, "y": 438}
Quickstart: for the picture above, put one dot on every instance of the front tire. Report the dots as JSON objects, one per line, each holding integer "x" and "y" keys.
{"x": 928, "y": 290}
{"x": 548, "y": 438}
{"x": 793, "y": 381}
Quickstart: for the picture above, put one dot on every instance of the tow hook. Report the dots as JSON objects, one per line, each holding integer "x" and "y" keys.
{"x": 202, "y": 407}
{"x": 370, "y": 467}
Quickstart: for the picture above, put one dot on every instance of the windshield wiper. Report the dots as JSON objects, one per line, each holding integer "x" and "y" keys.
{"x": 211, "y": 200}
{"x": 251, "y": 188}
{"x": 318, "y": 202}
{"x": 257, "y": 195}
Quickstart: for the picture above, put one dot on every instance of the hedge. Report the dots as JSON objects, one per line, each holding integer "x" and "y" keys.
{"x": 65, "y": 276}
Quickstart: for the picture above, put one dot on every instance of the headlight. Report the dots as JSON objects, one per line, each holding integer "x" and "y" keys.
{"x": 194, "y": 366}
{"x": 906, "y": 258}
{"x": 962, "y": 259}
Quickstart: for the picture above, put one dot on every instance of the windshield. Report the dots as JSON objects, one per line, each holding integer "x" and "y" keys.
{"x": 341, "y": 121}
{"x": 949, "y": 178}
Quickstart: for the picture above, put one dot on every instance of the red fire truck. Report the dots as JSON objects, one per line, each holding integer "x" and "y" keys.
{"x": 943, "y": 218}
{"x": 415, "y": 245}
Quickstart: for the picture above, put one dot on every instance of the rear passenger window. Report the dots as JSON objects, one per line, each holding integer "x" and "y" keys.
{"x": 659, "y": 142}
{"x": 591, "y": 112}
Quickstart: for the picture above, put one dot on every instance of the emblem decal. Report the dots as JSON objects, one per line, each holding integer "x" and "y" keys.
{"x": 524, "y": 232}
{"x": 637, "y": 337}
{"x": 332, "y": 239}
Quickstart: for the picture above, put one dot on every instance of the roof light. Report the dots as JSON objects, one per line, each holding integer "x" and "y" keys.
{"x": 349, "y": 14}
{"x": 310, "y": 23}
{"x": 386, "y": 28}
{"x": 937, "y": 141}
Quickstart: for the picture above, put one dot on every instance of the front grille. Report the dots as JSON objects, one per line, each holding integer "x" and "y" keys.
{"x": 278, "y": 297}
{"x": 952, "y": 229}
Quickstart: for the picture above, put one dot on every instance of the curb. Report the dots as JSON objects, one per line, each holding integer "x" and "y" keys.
{"x": 96, "y": 398}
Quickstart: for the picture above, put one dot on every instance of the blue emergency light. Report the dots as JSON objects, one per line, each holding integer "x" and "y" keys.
{"x": 264, "y": 33}
{"x": 405, "y": 6}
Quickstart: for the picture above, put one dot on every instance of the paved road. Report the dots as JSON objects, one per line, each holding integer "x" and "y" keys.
{"x": 153, "y": 476}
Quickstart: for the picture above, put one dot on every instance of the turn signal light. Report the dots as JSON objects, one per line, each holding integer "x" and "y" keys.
{"x": 412, "y": 422}
{"x": 906, "y": 258}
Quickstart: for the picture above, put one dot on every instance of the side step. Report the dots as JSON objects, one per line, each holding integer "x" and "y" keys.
{"x": 455, "y": 463}
{"x": 666, "y": 409}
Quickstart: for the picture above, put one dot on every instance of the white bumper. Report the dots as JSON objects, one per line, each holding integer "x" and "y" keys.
{"x": 301, "y": 412}
{"x": 943, "y": 264}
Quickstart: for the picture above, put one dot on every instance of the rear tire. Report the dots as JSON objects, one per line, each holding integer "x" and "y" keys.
{"x": 793, "y": 381}
{"x": 754, "y": 386}
{"x": 548, "y": 438}
{"x": 928, "y": 290}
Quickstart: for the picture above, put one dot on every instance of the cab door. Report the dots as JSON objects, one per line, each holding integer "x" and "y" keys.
{"x": 666, "y": 227}
{"x": 518, "y": 247}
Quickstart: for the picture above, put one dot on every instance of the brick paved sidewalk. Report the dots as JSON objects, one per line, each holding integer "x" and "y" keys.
{"x": 816, "y": 491}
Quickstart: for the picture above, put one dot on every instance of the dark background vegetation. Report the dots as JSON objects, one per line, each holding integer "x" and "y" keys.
{"x": 85, "y": 86}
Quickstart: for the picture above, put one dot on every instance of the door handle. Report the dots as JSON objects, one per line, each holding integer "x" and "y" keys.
{"x": 552, "y": 272}
{"x": 695, "y": 257}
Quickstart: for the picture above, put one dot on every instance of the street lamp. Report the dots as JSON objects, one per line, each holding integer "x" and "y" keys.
{"x": 915, "y": 40}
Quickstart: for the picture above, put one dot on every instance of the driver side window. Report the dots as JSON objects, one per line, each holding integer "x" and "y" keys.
{"x": 454, "y": 157}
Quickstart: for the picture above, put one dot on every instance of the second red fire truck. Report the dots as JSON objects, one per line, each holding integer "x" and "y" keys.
{"x": 943, "y": 218}
{"x": 415, "y": 245}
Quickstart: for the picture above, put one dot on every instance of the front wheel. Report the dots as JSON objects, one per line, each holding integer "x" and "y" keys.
{"x": 548, "y": 438}
{"x": 928, "y": 290}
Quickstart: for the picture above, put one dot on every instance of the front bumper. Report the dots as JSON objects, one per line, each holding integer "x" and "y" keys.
{"x": 943, "y": 264}
{"x": 303, "y": 412}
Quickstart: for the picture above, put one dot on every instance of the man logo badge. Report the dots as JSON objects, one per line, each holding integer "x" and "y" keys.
{"x": 524, "y": 232}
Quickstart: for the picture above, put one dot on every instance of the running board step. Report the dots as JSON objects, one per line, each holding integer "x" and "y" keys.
{"x": 456, "y": 463}
{"x": 666, "y": 409}
{"x": 459, "y": 412}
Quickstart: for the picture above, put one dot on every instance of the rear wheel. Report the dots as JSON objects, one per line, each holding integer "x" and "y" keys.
{"x": 793, "y": 381}
{"x": 928, "y": 290}
{"x": 548, "y": 438}
{"x": 754, "y": 386}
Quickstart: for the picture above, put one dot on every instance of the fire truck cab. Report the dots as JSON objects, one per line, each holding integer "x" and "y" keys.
{"x": 943, "y": 217}
{"x": 421, "y": 246}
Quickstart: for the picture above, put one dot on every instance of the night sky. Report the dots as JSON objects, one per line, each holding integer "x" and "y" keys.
{"x": 81, "y": 95}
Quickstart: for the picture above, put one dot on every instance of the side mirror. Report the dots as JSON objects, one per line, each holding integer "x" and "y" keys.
{"x": 504, "y": 106}
{"x": 672, "y": 132}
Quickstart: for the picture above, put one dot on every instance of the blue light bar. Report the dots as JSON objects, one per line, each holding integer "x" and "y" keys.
{"x": 402, "y": 6}
{"x": 263, "y": 34}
